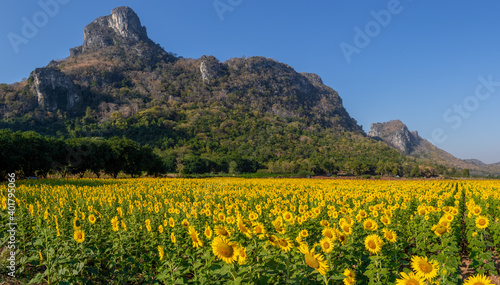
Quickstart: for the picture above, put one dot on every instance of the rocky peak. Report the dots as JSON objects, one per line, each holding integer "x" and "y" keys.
{"x": 123, "y": 26}
{"x": 54, "y": 90}
{"x": 126, "y": 23}
{"x": 395, "y": 134}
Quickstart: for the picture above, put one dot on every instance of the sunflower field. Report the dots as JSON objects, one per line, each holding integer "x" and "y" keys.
{"x": 253, "y": 231}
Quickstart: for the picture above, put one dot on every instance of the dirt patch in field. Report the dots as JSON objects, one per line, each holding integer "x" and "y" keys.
{"x": 466, "y": 271}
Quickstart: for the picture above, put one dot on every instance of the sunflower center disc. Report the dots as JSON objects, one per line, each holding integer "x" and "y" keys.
{"x": 425, "y": 267}
{"x": 311, "y": 261}
{"x": 225, "y": 250}
{"x": 412, "y": 282}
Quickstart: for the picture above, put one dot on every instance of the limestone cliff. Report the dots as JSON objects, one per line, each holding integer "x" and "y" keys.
{"x": 54, "y": 90}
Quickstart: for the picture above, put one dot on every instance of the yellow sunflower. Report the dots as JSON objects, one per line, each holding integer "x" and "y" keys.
{"x": 160, "y": 229}
{"x": 342, "y": 237}
{"x": 243, "y": 227}
{"x": 185, "y": 223}
{"x": 385, "y": 220}
{"x": 346, "y": 228}
{"x": 120, "y": 211}
{"x": 79, "y": 236}
{"x": 476, "y": 210}
{"x": 329, "y": 233}
{"x": 222, "y": 231}
{"x": 242, "y": 255}
{"x": 390, "y": 235}
{"x": 373, "y": 243}
{"x": 161, "y": 252}
{"x": 208, "y": 232}
{"x": 253, "y": 216}
{"x": 424, "y": 268}
{"x": 285, "y": 244}
{"x": 326, "y": 245}
{"x": 314, "y": 260}
{"x": 444, "y": 223}
{"x": 76, "y": 223}
{"x": 410, "y": 279}
{"x": 195, "y": 238}
{"x": 172, "y": 238}
{"x": 259, "y": 230}
{"x": 225, "y": 249}
{"x": 370, "y": 225}
{"x": 114, "y": 223}
{"x": 287, "y": 216}
{"x": 440, "y": 229}
{"x": 304, "y": 233}
{"x": 350, "y": 277}
{"x": 279, "y": 227}
{"x": 448, "y": 217}
{"x": 273, "y": 240}
{"x": 92, "y": 218}
{"x": 478, "y": 280}
{"x": 482, "y": 222}
{"x": 171, "y": 222}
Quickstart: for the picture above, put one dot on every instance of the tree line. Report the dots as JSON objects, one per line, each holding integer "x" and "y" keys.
{"x": 31, "y": 154}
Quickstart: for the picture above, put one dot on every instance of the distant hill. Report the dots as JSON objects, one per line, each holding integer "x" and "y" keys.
{"x": 397, "y": 135}
{"x": 475, "y": 162}
{"x": 120, "y": 83}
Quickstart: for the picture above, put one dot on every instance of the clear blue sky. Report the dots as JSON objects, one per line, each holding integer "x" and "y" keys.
{"x": 415, "y": 68}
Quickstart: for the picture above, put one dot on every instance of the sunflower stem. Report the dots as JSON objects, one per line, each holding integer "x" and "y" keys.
{"x": 48, "y": 259}
{"x": 287, "y": 263}
{"x": 234, "y": 277}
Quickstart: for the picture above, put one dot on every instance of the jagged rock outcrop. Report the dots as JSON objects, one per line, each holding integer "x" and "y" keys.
{"x": 395, "y": 134}
{"x": 210, "y": 68}
{"x": 123, "y": 26}
{"x": 54, "y": 90}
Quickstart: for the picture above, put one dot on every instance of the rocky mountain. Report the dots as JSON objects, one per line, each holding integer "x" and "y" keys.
{"x": 120, "y": 83}
{"x": 396, "y": 134}
{"x": 202, "y": 112}
{"x": 119, "y": 69}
